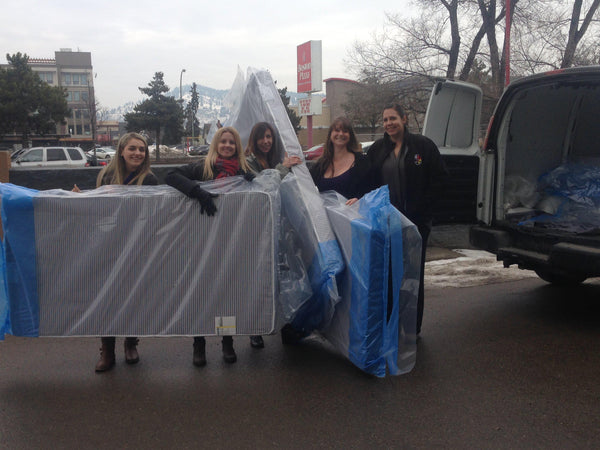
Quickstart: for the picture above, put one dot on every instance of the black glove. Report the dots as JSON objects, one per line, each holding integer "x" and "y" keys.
{"x": 249, "y": 176}
{"x": 206, "y": 200}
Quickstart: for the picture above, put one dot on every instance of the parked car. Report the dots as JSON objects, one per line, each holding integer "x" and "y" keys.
{"x": 539, "y": 172}
{"x": 90, "y": 162}
{"x": 313, "y": 152}
{"x": 51, "y": 157}
{"x": 103, "y": 152}
{"x": 365, "y": 146}
{"x": 198, "y": 150}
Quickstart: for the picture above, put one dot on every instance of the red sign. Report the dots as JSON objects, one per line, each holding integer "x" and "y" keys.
{"x": 304, "y": 61}
{"x": 304, "y": 106}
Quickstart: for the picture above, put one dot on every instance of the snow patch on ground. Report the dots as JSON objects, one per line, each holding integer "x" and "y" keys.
{"x": 473, "y": 268}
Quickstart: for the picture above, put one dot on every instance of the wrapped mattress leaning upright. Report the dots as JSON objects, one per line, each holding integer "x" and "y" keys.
{"x": 374, "y": 325}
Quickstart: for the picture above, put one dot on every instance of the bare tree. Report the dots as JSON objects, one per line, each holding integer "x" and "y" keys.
{"x": 452, "y": 38}
{"x": 577, "y": 29}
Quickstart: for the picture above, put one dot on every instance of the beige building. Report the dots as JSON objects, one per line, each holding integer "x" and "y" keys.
{"x": 72, "y": 71}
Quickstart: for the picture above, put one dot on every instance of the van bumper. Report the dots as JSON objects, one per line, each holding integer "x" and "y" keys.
{"x": 565, "y": 257}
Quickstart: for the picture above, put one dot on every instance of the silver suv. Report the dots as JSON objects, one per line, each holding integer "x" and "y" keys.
{"x": 51, "y": 157}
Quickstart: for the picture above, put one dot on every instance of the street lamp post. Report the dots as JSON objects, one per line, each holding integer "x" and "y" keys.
{"x": 180, "y": 87}
{"x": 181, "y": 94}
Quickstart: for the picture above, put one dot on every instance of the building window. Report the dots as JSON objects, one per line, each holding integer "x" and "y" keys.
{"x": 78, "y": 129}
{"x": 76, "y": 79}
{"x": 73, "y": 96}
{"x": 48, "y": 77}
{"x": 86, "y": 129}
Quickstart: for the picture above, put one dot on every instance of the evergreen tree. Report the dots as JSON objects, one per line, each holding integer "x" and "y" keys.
{"x": 157, "y": 114}
{"x": 28, "y": 104}
{"x": 294, "y": 118}
{"x": 192, "y": 126}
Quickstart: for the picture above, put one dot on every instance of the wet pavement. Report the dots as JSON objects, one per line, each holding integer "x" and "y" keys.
{"x": 504, "y": 365}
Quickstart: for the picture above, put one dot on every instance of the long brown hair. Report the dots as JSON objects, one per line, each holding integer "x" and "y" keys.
{"x": 116, "y": 171}
{"x": 257, "y": 133}
{"x": 326, "y": 159}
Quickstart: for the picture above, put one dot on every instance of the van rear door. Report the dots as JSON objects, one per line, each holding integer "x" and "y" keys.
{"x": 452, "y": 121}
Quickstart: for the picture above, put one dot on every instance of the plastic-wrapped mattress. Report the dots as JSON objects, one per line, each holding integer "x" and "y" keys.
{"x": 374, "y": 324}
{"x": 140, "y": 260}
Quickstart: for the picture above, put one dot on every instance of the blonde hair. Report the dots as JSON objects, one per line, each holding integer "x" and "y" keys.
{"x": 212, "y": 155}
{"x": 116, "y": 171}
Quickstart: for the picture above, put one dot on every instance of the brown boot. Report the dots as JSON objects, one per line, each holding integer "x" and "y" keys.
{"x": 107, "y": 355}
{"x": 228, "y": 352}
{"x": 131, "y": 353}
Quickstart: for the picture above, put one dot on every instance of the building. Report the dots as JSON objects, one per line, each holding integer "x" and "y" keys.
{"x": 336, "y": 91}
{"x": 72, "y": 71}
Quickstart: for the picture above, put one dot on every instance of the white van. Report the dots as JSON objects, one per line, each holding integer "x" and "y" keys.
{"x": 51, "y": 157}
{"x": 538, "y": 199}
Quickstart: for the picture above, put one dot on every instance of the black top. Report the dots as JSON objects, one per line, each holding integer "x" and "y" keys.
{"x": 420, "y": 178}
{"x": 354, "y": 183}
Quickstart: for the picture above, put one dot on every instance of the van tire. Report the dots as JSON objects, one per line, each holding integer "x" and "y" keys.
{"x": 560, "y": 279}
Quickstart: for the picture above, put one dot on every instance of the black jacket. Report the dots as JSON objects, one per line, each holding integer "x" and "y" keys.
{"x": 185, "y": 178}
{"x": 424, "y": 170}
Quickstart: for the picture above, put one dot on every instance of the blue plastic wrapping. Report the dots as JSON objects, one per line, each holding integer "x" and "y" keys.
{"x": 19, "y": 296}
{"x": 319, "y": 251}
{"x": 574, "y": 192}
{"x": 374, "y": 334}
{"x": 4, "y": 309}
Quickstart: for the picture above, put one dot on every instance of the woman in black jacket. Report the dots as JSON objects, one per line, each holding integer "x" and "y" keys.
{"x": 412, "y": 167}
{"x": 225, "y": 158}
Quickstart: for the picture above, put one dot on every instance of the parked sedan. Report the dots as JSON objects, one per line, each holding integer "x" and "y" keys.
{"x": 198, "y": 150}
{"x": 313, "y": 152}
{"x": 103, "y": 153}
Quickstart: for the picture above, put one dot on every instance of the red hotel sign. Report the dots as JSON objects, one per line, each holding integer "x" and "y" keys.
{"x": 309, "y": 66}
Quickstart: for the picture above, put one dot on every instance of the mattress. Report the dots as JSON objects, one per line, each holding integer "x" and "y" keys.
{"x": 374, "y": 324}
{"x": 141, "y": 261}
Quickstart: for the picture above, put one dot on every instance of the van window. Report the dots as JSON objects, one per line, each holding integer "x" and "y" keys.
{"x": 34, "y": 155}
{"x": 55, "y": 154}
{"x": 74, "y": 154}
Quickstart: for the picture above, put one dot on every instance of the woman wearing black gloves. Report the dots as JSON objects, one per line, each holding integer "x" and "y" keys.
{"x": 225, "y": 158}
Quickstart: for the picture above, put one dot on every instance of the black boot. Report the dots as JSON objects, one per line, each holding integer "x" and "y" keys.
{"x": 131, "y": 353}
{"x": 257, "y": 342}
{"x": 228, "y": 352}
{"x": 199, "y": 351}
{"x": 107, "y": 355}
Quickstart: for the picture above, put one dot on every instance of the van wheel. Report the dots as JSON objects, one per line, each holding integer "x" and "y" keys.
{"x": 560, "y": 279}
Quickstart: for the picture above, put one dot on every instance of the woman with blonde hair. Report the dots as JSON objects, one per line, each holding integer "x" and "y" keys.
{"x": 130, "y": 165}
{"x": 225, "y": 158}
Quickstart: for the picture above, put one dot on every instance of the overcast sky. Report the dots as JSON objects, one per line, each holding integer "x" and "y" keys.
{"x": 130, "y": 41}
